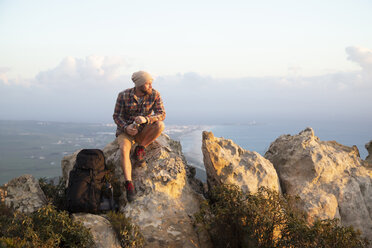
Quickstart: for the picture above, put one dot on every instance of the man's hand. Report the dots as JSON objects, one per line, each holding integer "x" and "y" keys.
{"x": 140, "y": 120}
{"x": 131, "y": 130}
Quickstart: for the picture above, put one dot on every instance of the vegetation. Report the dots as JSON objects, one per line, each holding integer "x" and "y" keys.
{"x": 52, "y": 226}
{"x": 44, "y": 228}
{"x": 128, "y": 234}
{"x": 114, "y": 181}
{"x": 265, "y": 220}
{"x": 55, "y": 194}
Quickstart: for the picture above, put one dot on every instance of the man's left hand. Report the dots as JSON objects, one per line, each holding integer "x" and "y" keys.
{"x": 140, "y": 120}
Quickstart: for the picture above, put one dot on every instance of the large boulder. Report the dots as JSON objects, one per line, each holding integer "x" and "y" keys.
{"x": 227, "y": 163}
{"x": 165, "y": 202}
{"x": 24, "y": 194}
{"x": 67, "y": 164}
{"x": 369, "y": 149}
{"x": 329, "y": 178}
{"x": 101, "y": 229}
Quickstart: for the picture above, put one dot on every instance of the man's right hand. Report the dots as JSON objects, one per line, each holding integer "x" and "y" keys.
{"x": 131, "y": 130}
{"x": 140, "y": 120}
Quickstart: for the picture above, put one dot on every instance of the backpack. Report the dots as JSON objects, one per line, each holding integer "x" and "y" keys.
{"x": 86, "y": 181}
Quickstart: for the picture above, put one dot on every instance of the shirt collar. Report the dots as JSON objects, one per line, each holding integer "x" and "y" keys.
{"x": 132, "y": 94}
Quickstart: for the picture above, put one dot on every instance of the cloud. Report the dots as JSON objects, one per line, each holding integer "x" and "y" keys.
{"x": 363, "y": 57}
{"x": 360, "y": 55}
{"x": 77, "y": 89}
{"x": 85, "y": 90}
{"x": 3, "y": 76}
{"x": 5, "y": 80}
{"x": 92, "y": 70}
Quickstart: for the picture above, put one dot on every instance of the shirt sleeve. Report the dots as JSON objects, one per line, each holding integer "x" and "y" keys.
{"x": 159, "y": 112}
{"x": 119, "y": 112}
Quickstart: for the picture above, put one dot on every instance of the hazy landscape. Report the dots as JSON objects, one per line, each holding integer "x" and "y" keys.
{"x": 37, "y": 147}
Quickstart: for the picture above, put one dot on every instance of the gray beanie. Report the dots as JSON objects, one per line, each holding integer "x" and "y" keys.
{"x": 141, "y": 77}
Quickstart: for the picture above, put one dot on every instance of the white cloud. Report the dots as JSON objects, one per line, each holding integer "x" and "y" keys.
{"x": 92, "y": 70}
{"x": 360, "y": 55}
{"x": 86, "y": 89}
{"x": 363, "y": 57}
{"x": 5, "y": 80}
{"x": 3, "y": 76}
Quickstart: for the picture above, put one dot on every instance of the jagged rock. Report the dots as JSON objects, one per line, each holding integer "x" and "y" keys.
{"x": 165, "y": 201}
{"x": 3, "y": 193}
{"x": 67, "y": 163}
{"x": 327, "y": 176}
{"x": 228, "y": 163}
{"x": 101, "y": 229}
{"x": 24, "y": 194}
{"x": 369, "y": 149}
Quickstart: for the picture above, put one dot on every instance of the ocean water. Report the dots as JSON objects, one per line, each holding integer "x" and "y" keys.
{"x": 37, "y": 148}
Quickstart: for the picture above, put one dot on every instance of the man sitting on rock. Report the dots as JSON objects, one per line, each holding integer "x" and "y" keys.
{"x": 139, "y": 115}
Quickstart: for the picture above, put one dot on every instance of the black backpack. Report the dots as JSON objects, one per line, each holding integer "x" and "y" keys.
{"x": 86, "y": 181}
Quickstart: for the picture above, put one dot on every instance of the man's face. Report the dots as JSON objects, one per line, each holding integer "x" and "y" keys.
{"x": 146, "y": 88}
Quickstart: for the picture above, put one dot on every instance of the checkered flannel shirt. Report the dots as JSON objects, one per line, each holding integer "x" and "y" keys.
{"x": 127, "y": 109}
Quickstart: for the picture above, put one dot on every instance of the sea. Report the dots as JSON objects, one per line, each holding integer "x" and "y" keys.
{"x": 37, "y": 147}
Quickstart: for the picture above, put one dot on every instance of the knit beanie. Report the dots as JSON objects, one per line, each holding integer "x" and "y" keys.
{"x": 140, "y": 78}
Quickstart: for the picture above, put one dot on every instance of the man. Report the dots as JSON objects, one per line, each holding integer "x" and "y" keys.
{"x": 139, "y": 115}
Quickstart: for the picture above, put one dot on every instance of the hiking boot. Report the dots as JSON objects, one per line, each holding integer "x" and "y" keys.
{"x": 131, "y": 191}
{"x": 139, "y": 155}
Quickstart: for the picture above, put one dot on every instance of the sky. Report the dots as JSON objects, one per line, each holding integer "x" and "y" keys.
{"x": 213, "y": 61}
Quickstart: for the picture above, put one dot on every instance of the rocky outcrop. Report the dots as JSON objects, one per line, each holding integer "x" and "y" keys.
{"x": 101, "y": 229}
{"x": 369, "y": 149}
{"x": 228, "y": 163}
{"x": 328, "y": 177}
{"x": 67, "y": 164}
{"x": 24, "y": 194}
{"x": 166, "y": 202}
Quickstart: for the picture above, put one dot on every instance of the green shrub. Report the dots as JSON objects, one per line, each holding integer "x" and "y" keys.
{"x": 128, "y": 234}
{"x": 266, "y": 219}
{"x": 55, "y": 194}
{"x": 114, "y": 181}
{"x": 44, "y": 228}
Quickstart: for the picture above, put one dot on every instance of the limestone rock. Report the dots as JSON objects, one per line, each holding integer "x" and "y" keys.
{"x": 369, "y": 149}
{"x": 101, "y": 229}
{"x": 327, "y": 176}
{"x": 165, "y": 200}
{"x": 24, "y": 194}
{"x": 227, "y": 163}
{"x": 3, "y": 193}
{"x": 67, "y": 164}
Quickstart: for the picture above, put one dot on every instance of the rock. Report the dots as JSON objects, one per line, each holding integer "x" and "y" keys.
{"x": 67, "y": 164}
{"x": 165, "y": 202}
{"x": 327, "y": 176}
{"x": 228, "y": 163}
{"x": 24, "y": 194}
{"x": 101, "y": 229}
{"x": 369, "y": 149}
{"x": 3, "y": 193}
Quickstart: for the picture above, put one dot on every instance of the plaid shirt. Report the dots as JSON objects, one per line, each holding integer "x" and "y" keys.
{"x": 127, "y": 109}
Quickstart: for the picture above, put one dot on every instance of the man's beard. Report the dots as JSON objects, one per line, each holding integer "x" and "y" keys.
{"x": 146, "y": 92}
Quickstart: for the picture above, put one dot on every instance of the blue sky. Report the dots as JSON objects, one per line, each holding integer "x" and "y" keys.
{"x": 280, "y": 58}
